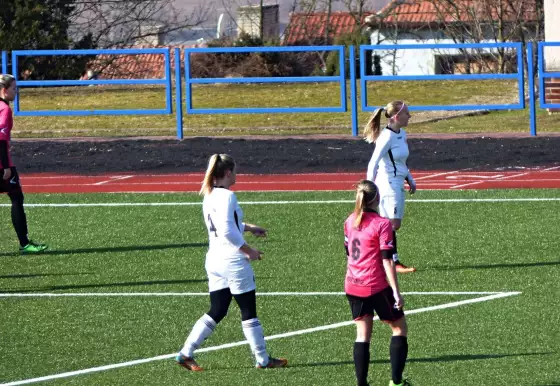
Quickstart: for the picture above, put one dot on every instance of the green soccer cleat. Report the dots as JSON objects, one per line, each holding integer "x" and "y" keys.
{"x": 403, "y": 383}
{"x": 33, "y": 248}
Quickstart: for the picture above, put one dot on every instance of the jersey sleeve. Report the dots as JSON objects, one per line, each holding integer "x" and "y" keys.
{"x": 382, "y": 146}
{"x": 224, "y": 221}
{"x": 4, "y": 119}
{"x": 385, "y": 236}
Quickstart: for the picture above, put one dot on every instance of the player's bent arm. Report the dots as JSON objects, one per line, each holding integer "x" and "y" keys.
{"x": 382, "y": 146}
{"x": 390, "y": 271}
{"x": 254, "y": 229}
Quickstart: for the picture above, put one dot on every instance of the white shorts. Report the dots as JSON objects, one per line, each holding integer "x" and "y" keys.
{"x": 237, "y": 275}
{"x": 391, "y": 199}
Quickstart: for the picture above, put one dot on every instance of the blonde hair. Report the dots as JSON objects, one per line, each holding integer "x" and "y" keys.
{"x": 6, "y": 80}
{"x": 217, "y": 167}
{"x": 366, "y": 195}
{"x": 373, "y": 127}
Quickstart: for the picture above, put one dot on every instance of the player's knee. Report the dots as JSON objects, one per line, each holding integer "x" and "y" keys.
{"x": 217, "y": 312}
{"x": 16, "y": 197}
{"x": 248, "y": 312}
{"x": 396, "y": 224}
{"x": 399, "y": 327}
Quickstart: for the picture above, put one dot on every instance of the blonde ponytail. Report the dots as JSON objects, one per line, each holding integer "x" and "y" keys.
{"x": 366, "y": 197}
{"x": 373, "y": 127}
{"x": 218, "y": 164}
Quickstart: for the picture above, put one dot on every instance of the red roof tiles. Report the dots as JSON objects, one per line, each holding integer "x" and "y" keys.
{"x": 451, "y": 11}
{"x": 306, "y": 28}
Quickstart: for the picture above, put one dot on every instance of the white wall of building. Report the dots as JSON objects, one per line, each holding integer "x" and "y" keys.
{"x": 414, "y": 61}
{"x": 552, "y": 34}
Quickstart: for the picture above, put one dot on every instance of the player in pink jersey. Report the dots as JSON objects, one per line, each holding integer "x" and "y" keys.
{"x": 9, "y": 179}
{"x": 371, "y": 283}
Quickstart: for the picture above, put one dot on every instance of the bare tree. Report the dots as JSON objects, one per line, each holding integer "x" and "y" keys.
{"x": 499, "y": 21}
{"x": 125, "y": 23}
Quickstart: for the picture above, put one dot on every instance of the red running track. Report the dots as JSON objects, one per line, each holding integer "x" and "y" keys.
{"x": 190, "y": 182}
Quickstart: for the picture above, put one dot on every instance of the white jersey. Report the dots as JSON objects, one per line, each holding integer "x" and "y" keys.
{"x": 388, "y": 162}
{"x": 224, "y": 221}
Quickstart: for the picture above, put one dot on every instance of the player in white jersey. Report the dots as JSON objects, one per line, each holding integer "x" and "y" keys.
{"x": 388, "y": 167}
{"x": 228, "y": 266}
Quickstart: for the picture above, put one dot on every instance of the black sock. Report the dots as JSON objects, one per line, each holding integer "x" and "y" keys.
{"x": 398, "y": 351}
{"x": 18, "y": 219}
{"x": 361, "y": 362}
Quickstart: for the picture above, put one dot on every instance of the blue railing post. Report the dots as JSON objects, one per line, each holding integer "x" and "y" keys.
{"x": 353, "y": 94}
{"x": 531, "y": 86}
{"x": 169, "y": 82}
{"x": 15, "y": 75}
{"x": 178, "y": 94}
{"x": 4, "y": 62}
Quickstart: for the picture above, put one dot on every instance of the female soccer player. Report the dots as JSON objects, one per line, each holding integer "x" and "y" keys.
{"x": 368, "y": 239}
{"x": 9, "y": 178}
{"x": 388, "y": 168}
{"x": 228, "y": 266}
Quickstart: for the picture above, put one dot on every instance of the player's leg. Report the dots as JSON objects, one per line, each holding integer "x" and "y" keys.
{"x": 398, "y": 348}
{"x": 220, "y": 299}
{"x": 362, "y": 313}
{"x": 242, "y": 285}
{"x": 391, "y": 206}
{"x": 19, "y": 219}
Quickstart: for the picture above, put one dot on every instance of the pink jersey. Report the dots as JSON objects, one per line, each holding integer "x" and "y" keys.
{"x": 6, "y": 124}
{"x": 365, "y": 275}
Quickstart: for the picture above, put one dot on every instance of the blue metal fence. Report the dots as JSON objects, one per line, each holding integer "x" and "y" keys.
{"x": 518, "y": 76}
{"x": 543, "y": 75}
{"x": 340, "y": 79}
{"x": 4, "y": 62}
{"x": 42, "y": 83}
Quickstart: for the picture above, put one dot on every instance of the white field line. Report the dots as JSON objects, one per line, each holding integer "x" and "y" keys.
{"x": 235, "y": 344}
{"x": 463, "y": 185}
{"x": 321, "y": 202}
{"x": 115, "y": 178}
{"x": 147, "y": 294}
{"x": 549, "y": 169}
{"x": 513, "y": 176}
{"x": 476, "y": 176}
{"x": 436, "y": 175}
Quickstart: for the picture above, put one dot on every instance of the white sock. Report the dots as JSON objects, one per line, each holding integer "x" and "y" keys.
{"x": 200, "y": 331}
{"x": 255, "y": 335}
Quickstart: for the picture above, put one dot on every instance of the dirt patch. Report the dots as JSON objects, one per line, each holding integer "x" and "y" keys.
{"x": 280, "y": 155}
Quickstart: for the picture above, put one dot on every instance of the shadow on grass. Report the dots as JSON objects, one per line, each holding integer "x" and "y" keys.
{"x": 490, "y": 266}
{"x": 32, "y": 275}
{"x": 443, "y": 358}
{"x": 129, "y": 248}
{"x": 102, "y": 285}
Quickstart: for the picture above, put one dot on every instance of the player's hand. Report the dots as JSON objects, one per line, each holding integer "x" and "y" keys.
{"x": 258, "y": 231}
{"x": 254, "y": 254}
{"x": 7, "y": 174}
{"x": 399, "y": 301}
{"x": 411, "y": 186}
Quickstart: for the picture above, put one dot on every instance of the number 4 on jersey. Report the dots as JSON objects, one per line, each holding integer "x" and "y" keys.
{"x": 212, "y": 228}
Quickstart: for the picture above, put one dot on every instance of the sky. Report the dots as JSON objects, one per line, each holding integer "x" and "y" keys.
{"x": 219, "y": 6}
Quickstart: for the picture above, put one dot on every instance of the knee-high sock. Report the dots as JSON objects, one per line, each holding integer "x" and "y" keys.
{"x": 254, "y": 333}
{"x": 361, "y": 362}
{"x": 19, "y": 219}
{"x": 398, "y": 351}
{"x": 201, "y": 330}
